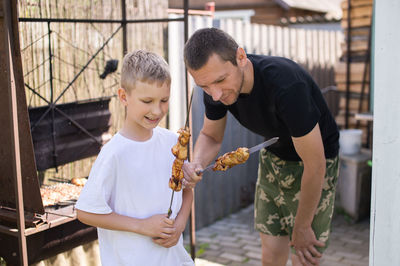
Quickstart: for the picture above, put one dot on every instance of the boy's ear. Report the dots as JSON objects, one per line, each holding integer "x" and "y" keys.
{"x": 122, "y": 96}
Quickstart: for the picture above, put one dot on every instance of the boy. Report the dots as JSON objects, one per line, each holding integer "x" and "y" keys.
{"x": 127, "y": 194}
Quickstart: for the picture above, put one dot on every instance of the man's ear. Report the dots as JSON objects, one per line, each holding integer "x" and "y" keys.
{"x": 241, "y": 57}
{"x": 122, "y": 96}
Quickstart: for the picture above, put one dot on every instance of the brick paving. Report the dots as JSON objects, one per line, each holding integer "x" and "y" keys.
{"x": 233, "y": 241}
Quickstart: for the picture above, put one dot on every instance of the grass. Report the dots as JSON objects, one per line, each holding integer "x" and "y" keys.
{"x": 200, "y": 249}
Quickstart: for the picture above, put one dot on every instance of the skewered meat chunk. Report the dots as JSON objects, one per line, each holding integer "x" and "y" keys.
{"x": 230, "y": 159}
{"x": 184, "y": 136}
{"x": 177, "y": 172}
{"x": 179, "y": 150}
{"x": 176, "y": 186}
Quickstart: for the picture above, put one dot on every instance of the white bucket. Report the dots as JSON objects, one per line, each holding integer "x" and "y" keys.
{"x": 350, "y": 141}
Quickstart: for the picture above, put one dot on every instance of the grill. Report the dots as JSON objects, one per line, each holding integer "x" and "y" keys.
{"x": 80, "y": 129}
{"x": 39, "y": 139}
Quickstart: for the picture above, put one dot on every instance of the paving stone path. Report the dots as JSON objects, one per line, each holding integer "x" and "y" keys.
{"x": 233, "y": 241}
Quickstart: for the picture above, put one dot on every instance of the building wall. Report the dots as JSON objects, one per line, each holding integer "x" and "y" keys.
{"x": 385, "y": 202}
{"x": 222, "y": 4}
{"x": 272, "y": 15}
{"x": 266, "y": 11}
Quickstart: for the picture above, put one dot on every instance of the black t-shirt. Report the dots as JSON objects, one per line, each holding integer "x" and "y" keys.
{"x": 284, "y": 102}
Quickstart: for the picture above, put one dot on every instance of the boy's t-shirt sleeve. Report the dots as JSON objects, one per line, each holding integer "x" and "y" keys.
{"x": 297, "y": 109}
{"x": 96, "y": 193}
{"x": 213, "y": 110}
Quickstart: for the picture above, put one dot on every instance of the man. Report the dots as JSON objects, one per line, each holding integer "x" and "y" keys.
{"x": 271, "y": 96}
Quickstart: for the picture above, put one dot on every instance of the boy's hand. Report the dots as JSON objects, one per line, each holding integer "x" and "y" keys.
{"x": 158, "y": 226}
{"x": 173, "y": 239}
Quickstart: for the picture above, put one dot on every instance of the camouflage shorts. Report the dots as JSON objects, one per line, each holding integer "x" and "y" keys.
{"x": 277, "y": 197}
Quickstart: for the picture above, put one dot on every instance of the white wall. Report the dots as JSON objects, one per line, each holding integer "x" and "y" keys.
{"x": 318, "y": 49}
{"x": 177, "y": 106}
{"x": 385, "y": 202}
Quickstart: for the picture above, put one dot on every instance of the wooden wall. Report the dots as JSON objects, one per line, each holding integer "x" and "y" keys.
{"x": 361, "y": 16}
{"x": 72, "y": 46}
{"x": 316, "y": 50}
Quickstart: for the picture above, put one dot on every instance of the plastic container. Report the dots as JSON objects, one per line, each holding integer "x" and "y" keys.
{"x": 350, "y": 141}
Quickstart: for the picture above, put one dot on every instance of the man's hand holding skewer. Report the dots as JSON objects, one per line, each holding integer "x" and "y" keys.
{"x": 192, "y": 173}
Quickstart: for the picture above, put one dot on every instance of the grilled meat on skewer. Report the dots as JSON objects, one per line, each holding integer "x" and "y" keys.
{"x": 180, "y": 152}
{"x": 230, "y": 159}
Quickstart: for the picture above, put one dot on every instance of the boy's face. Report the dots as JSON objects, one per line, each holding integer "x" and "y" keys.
{"x": 146, "y": 104}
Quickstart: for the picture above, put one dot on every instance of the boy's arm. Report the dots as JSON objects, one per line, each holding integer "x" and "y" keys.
{"x": 180, "y": 220}
{"x": 155, "y": 226}
{"x": 183, "y": 214}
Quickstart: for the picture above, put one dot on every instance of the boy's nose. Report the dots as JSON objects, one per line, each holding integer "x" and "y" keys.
{"x": 216, "y": 94}
{"x": 157, "y": 110}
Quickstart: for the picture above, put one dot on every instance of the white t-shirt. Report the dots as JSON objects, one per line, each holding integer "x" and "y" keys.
{"x": 131, "y": 178}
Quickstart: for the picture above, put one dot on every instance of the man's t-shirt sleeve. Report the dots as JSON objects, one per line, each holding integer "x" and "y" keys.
{"x": 297, "y": 109}
{"x": 213, "y": 110}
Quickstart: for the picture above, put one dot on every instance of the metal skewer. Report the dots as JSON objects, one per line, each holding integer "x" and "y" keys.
{"x": 170, "y": 204}
{"x": 186, "y": 125}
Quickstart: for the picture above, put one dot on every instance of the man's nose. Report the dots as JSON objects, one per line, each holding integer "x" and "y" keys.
{"x": 216, "y": 94}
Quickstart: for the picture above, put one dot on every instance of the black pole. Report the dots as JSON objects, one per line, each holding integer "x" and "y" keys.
{"x": 124, "y": 28}
{"x": 53, "y": 126}
{"x": 192, "y": 212}
{"x": 107, "y": 21}
{"x": 366, "y": 68}
{"x": 348, "y": 63}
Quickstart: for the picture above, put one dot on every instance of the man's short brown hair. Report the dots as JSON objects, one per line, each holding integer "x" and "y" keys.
{"x": 205, "y": 42}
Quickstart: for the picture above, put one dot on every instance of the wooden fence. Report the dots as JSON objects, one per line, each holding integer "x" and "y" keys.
{"x": 316, "y": 50}
{"x": 73, "y": 44}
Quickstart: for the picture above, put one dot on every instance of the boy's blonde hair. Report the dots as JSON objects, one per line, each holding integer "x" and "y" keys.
{"x": 144, "y": 66}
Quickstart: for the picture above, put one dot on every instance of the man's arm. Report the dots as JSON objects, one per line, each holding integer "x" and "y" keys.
{"x": 311, "y": 151}
{"x": 154, "y": 226}
{"x": 206, "y": 149}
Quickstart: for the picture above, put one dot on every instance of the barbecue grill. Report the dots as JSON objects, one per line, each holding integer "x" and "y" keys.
{"x": 79, "y": 130}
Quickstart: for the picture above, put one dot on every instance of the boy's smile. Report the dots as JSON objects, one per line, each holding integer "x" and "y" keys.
{"x": 146, "y": 104}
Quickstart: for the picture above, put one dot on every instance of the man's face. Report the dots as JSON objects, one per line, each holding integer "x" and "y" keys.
{"x": 220, "y": 79}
